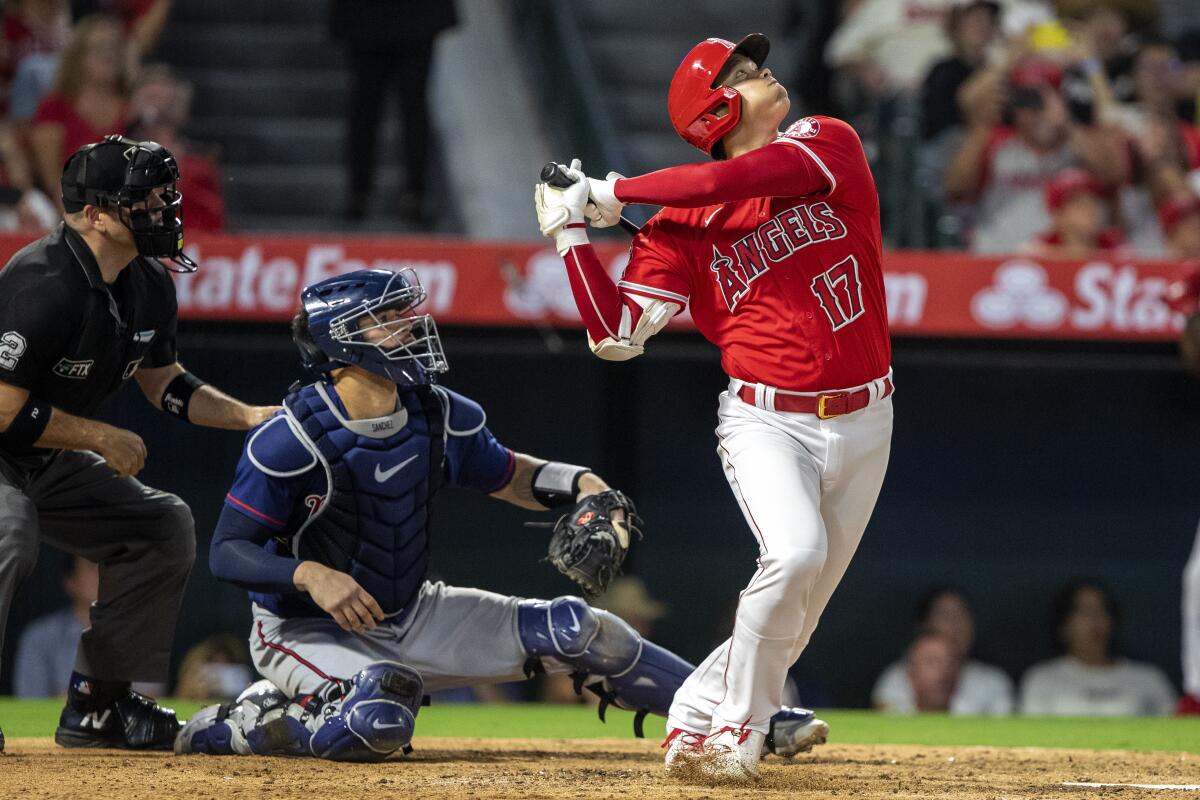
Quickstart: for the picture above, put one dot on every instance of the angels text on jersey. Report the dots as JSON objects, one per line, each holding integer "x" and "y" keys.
{"x": 785, "y": 233}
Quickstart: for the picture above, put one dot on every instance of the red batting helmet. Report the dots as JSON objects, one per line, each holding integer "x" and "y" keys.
{"x": 692, "y": 100}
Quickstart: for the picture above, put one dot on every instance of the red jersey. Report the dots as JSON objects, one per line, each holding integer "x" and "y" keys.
{"x": 77, "y": 131}
{"x": 789, "y": 287}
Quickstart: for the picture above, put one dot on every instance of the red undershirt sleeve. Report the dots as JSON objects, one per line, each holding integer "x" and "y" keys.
{"x": 775, "y": 170}
{"x": 596, "y": 296}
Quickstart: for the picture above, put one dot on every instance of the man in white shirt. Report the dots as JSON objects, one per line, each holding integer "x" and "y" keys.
{"x": 979, "y": 688}
{"x": 1088, "y": 680}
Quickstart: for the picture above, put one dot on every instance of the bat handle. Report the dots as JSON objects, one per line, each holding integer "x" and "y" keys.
{"x": 556, "y": 175}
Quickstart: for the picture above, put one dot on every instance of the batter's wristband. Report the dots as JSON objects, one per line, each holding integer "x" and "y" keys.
{"x": 556, "y": 484}
{"x": 29, "y": 423}
{"x": 178, "y": 394}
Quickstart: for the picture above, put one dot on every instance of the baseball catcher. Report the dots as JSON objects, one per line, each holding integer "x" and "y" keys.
{"x": 327, "y": 525}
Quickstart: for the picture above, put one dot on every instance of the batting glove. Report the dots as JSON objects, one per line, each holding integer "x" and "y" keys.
{"x": 560, "y": 211}
{"x": 604, "y": 210}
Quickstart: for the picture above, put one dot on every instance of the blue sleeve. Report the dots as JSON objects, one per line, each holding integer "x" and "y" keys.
{"x": 270, "y": 483}
{"x": 271, "y": 475}
{"x": 474, "y": 459}
{"x": 237, "y": 555}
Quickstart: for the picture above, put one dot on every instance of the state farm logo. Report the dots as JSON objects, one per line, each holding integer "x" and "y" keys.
{"x": 1020, "y": 294}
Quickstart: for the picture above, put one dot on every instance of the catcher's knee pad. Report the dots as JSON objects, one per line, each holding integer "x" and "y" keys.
{"x": 634, "y": 674}
{"x": 568, "y": 629}
{"x": 376, "y": 718}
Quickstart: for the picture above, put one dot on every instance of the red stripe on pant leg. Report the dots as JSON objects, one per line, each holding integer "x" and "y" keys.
{"x": 280, "y": 648}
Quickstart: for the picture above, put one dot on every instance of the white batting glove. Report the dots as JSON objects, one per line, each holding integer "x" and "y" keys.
{"x": 559, "y": 208}
{"x": 604, "y": 210}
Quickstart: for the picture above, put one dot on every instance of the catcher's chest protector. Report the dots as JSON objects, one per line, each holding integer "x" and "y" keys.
{"x": 373, "y": 522}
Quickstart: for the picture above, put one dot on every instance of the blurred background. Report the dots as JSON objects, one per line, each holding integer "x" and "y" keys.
{"x": 1038, "y": 164}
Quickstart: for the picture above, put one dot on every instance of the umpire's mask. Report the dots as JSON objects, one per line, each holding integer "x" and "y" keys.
{"x": 139, "y": 180}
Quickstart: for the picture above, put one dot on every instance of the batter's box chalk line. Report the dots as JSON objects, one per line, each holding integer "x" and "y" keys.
{"x": 1177, "y": 787}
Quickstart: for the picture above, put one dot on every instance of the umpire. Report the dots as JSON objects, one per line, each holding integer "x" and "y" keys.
{"x": 82, "y": 310}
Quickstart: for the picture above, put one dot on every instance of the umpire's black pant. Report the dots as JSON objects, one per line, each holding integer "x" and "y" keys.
{"x": 144, "y": 541}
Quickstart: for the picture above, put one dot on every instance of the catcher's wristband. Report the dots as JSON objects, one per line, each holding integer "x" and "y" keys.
{"x": 556, "y": 484}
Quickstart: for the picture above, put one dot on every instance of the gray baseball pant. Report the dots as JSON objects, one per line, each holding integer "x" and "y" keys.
{"x": 144, "y": 541}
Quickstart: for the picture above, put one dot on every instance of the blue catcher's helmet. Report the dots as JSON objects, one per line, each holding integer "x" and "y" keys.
{"x": 366, "y": 319}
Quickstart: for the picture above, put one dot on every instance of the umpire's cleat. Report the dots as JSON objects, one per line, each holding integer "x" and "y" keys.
{"x": 794, "y": 730}
{"x": 1, "y": 741}
{"x": 132, "y": 722}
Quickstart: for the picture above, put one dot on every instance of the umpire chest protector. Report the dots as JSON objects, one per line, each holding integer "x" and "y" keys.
{"x": 381, "y": 475}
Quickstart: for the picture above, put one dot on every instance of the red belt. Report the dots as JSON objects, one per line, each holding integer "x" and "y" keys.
{"x": 825, "y": 406}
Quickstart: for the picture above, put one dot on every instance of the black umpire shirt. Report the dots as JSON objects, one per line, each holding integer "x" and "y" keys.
{"x": 70, "y": 338}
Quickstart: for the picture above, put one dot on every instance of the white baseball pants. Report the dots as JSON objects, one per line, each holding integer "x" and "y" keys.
{"x": 1191, "y": 621}
{"x": 807, "y": 487}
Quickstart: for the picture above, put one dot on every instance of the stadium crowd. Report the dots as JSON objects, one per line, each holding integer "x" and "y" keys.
{"x": 1058, "y": 128}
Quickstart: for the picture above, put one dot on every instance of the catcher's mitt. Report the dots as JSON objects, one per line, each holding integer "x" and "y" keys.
{"x": 588, "y": 545}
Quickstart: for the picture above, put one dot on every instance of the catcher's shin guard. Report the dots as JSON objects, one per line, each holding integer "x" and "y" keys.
{"x": 261, "y": 721}
{"x": 629, "y": 672}
{"x": 376, "y": 718}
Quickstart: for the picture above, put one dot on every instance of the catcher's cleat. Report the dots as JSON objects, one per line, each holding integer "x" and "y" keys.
{"x": 132, "y": 721}
{"x": 683, "y": 749}
{"x": 731, "y": 755}
{"x": 794, "y": 730}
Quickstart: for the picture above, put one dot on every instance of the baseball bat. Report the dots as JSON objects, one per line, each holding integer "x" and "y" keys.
{"x": 556, "y": 175}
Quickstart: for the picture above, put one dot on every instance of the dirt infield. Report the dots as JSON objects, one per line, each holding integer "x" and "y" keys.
{"x": 596, "y": 769}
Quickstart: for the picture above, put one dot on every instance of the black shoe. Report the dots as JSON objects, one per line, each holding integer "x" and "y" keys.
{"x": 1, "y": 741}
{"x": 131, "y": 722}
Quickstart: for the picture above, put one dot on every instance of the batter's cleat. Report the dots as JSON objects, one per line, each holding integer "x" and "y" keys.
{"x": 131, "y": 722}
{"x": 683, "y": 749}
{"x": 794, "y": 730}
{"x": 731, "y": 755}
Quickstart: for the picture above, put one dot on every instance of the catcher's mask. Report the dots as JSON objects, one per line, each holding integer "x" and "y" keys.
{"x": 367, "y": 319}
{"x": 137, "y": 180}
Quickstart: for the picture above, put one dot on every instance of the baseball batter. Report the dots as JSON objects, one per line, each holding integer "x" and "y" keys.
{"x": 775, "y": 248}
{"x": 327, "y": 523}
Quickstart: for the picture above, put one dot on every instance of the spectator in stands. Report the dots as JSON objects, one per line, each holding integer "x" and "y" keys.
{"x": 972, "y": 27}
{"x": 142, "y": 20}
{"x": 1110, "y": 30}
{"x": 1078, "y": 217}
{"x": 215, "y": 669}
{"x": 88, "y": 101}
{"x": 932, "y": 672}
{"x": 1180, "y": 220}
{"x": 34, "y": 32}
{"x": 889, "y": 45}
{"x": 160, "y": 110}
{"x": 1088, "y": 679}
{"x": 1162, "y": 148}
{"x": 978, "y": 688}
{"x": 46, "y": 649}
{"x": 1019, "y": 134}
{"x": 22, "y": 207}
{"x": 389, "y": 42}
